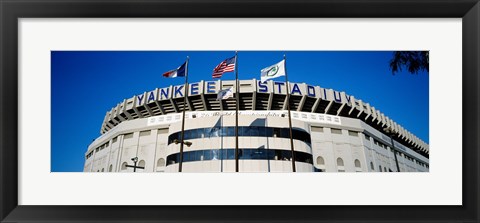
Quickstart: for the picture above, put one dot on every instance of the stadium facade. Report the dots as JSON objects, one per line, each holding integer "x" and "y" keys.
{"x": 332, "y": 132}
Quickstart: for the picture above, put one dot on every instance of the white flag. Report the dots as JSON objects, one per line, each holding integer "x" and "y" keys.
{"x": 273, "y": 71}
{"x": 224, "y": 94}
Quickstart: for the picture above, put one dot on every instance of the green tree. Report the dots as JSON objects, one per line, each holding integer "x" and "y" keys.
{"x": 414, "y": 61}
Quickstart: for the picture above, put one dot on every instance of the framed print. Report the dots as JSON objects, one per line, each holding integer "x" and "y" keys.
{"x": 384, "y": 91}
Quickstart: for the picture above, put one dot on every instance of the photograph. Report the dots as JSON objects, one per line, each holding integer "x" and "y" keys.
{"x": 240, "y": 111}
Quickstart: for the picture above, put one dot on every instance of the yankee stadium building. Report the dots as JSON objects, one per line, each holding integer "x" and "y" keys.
{"x": 332, "y": 132}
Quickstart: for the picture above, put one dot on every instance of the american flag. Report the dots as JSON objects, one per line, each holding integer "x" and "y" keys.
{"x": 227, "y": 65}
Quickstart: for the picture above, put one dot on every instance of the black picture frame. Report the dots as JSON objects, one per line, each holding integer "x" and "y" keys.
{"x": 11, "y": 11}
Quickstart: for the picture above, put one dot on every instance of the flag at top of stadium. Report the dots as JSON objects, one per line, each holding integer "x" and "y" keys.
{"x": 273, "y": 71}
{"x": 228, "y": 65}
{"x": 179, "y": 72}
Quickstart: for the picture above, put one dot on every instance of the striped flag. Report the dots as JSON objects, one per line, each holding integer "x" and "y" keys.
{"x": 227, "y": 65}
{"x": 179, "y": 72}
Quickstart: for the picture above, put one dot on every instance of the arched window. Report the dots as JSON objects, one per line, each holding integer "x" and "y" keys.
{"x": 340, "y": 162}
{"x": 103, "y": 169}
{"x": 380, "y": 168}
{"x": 110, "y": 168}
{"x": 357, "y": 163}
{"x": 160, "y": 164}
{"x": 372, "y": 166}
{"x": 358, "y": 166}
{"x": 124, "y": 166}
{"x": 321, "y": 163}
{"x": 340, "y": 165}
{"x": 385, "y": 168}
{"x": 141, "y": 164}
{"x": 320, "y": 160}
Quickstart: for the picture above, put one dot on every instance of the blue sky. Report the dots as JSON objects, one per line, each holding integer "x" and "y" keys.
{"x": 87, "y": 84}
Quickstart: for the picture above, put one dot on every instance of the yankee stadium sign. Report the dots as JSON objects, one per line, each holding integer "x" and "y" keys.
{"x": 213, "y": 87}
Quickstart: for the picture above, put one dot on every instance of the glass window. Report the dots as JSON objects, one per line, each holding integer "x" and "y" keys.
{"x": 193, "y": 134}
{"x": 367, "y": 137}
{"x": 380, "y": 168}
{"x": 372, "y": 166}
{"x": 276, "y": 132}
{"x": 186, "y": 157}
{"x": 259, "y": 154}
{"x": 316, "y": 129}
{"x": 336, "y": 131}
{"x": 261, "y": 131}
{"x": 231, "y": 154}
{"x": 186, "y": 135}
{"x": 160, "y": 162}
{"x": 268, "y": 132}
{"x": 254, "y": 131}
{"x": 224, "y": 154}
{"x": 215, "y": 154}
{"x": 145, "y": 133}
{"x": 230, "y": 131}
{"x": 357, "y": 163}
{"x": 285, "y": 133}
{"x": 215, "y": 132}
{"x": 222, "y": 131}
{"x": 207, "y": 155}
{"x": 245, "y": 154}
{"x": 320, "y": 160}
{"x": 245, "y": 131}
{"x": 207, "y": 132}
{"x": 286, "y": 155}
{"x": 352, "y": 133}
{"x": 270, "y": 154}
{"x": 340, "y": 162}
{"x": 198, "y": 155}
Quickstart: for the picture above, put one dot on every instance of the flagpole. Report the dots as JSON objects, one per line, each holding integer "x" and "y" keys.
{"x": 289, "y": 115}
{"x": 236, "y": 114}
{"x": 183, "y": 119}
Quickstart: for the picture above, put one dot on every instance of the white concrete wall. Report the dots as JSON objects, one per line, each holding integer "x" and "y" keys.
{"x": 149, "y": 143}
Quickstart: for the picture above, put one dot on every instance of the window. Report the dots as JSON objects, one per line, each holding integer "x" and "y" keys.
{"x": 336, "y": 131}
{"x": 162, "y": 131}
{"x": 244, "y": 154}
{"x": 110, "y": 168}
{"x": 372, "y": 166}
{"x": 114, "y": 140}
{"x": 352, "y": 133}
{"x": 358, "y": 166}
{"x": 317, "y": 129}
{"x": 160, "y": 163}
{"x": 141, "y": 164}
{"x": 321, "y": 164}
{"x": 320, "y": 160}
{"x": 357, "y": 163}
{"x": 340, "y": 165}
{"x": 276, "y": 132}
{"x": 124, "y": 165}
{"x": 380, "y": 168}
{"x": 385, "y": 169}
{"x": 339, "y": 162}
{"x": 103, "y": 169}
{"x": 367, "y": 137}
{"x": 128, "y": 136}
